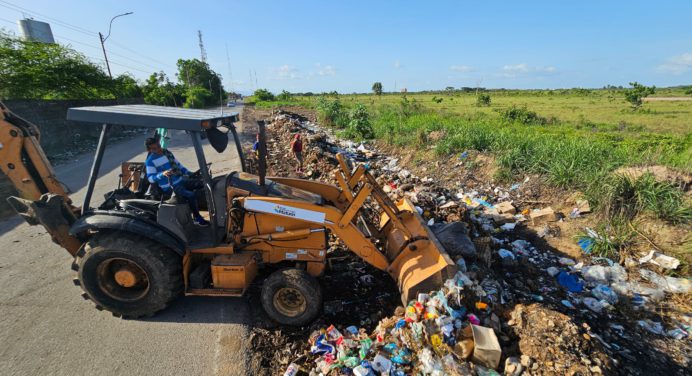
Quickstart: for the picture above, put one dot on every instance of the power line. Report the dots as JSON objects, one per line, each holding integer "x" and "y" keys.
{"x": 82, "y": 30}
{"x": 116, "y": 63}
{"x": 22, "y": 10}
{"x": 8, "y": 21}
{"x": 110, "y": 53}
{"x": 139, "y": 54}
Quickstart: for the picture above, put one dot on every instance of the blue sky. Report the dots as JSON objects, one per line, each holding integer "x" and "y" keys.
{"x": 347, "y": 45}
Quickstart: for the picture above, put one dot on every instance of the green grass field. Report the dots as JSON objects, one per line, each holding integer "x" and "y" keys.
{"x": 598, "y": 107}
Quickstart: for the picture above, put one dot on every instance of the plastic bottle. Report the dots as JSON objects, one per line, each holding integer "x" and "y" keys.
{"x": 365, "y": 345}
{"x": 381, "y": 364}
{"x": 292, "y": 370}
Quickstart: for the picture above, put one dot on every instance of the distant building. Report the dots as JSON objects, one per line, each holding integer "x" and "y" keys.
{"x": 404, "y": 90}
{"x": 36, "y": 31}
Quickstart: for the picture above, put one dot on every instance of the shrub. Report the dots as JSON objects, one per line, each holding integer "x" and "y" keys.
{"x": 483, "y": 100}
{"x": 331, "y": 112}
{"x": 638, "y": 91}
{"x": 196, "y": 97}
{"x": 359, "y": 126}
{"x": 522, "y": 115}
{"x": 610, "y": 239}
{"x": 263, "y": 95}
{"x": 284, "y": 96}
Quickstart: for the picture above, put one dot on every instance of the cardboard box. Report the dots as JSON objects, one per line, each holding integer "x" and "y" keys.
{"x": 487, "y": 351}
{"x": 543, "y": 216}
{"x": 234, "y": 271}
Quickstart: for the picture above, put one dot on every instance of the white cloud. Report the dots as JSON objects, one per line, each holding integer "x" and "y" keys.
{"x": 461, "y": 68}
{"x": 397, "y": 64}
{"x": 287, "y": 72}
{"x": 523, "y": 68}
{"x": 327, "y": 70}
{"x": 677, "y": 64}
{"x": 519, "y": 68}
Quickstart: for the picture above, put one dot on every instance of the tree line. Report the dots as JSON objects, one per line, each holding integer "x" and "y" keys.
{"x": 35, "y": 70}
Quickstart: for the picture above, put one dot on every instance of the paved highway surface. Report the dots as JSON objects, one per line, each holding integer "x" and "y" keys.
{"x": 46, "y": 328}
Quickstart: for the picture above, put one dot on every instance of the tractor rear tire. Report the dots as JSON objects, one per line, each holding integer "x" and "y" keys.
{"x": 128, "y": 275}
{"x": 292, "y": 297}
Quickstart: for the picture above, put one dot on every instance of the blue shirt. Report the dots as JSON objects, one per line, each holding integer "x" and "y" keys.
{"x": 156, "y": 165}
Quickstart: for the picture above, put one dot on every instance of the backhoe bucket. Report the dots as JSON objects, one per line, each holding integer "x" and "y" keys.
{"x": 53, "y": 213}
{"x": 418, "y": 262}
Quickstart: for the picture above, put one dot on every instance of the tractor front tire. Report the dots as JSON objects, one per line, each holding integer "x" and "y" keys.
{"x": 128, "y": 275}
{"x": 291, "y": 297}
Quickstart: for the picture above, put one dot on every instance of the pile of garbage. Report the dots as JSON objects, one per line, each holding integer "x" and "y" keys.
{"x": 513, "y": 306}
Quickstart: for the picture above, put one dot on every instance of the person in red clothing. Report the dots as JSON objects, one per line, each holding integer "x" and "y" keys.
{"x": 297, "y": 149}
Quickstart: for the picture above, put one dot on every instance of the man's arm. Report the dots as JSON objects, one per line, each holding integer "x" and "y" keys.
{"x": 184, "y": 170}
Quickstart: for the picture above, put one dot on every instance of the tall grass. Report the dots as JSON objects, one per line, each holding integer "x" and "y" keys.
{"x": 569, "y": 157}
{"x": 626, "y": 196}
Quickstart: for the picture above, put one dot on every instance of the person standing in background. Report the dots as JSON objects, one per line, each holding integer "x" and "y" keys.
{"x": 297, "y": 150}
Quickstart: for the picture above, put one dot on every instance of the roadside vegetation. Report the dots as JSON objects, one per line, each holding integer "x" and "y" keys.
{"x": 33, "y": 70}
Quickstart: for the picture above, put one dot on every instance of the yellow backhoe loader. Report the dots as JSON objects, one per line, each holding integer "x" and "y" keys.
{"x": 135, "y": 252}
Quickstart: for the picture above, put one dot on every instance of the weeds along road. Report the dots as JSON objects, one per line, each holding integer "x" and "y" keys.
{"x": 46, "y": 328}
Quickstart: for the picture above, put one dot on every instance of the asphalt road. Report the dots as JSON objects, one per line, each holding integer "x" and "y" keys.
{"x": 46, "y": 328}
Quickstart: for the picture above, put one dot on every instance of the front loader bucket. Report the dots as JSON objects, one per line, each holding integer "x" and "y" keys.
{"x": 418, "y": 262}
{"x": 412, "y": 254}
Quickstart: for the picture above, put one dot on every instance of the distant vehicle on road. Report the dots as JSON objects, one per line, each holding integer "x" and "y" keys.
{"x": 230, "y": 104}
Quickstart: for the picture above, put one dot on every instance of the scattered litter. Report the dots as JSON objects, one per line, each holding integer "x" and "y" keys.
{"x": 508, "y": 226}
{"x": 603, "y": 292}
{"x": 487, "y": 351}
{"x": 570, "y": 282}
{"x": 566, "y": 261}
{"x": 543, "y": 216}
{"x": 433, "y": 334}
{"x": 664, "y": 261}
{"x": 668, "y": 284}
{"x": 651, "y": 326}
{"x": 594, "y": 304}
{"x": 604, "y": 274}
{"x": 553, "y": 271}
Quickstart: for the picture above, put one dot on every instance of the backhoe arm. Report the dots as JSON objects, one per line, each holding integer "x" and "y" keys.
{"x": 23, "y": 160}
{"x": 43, "y": 199}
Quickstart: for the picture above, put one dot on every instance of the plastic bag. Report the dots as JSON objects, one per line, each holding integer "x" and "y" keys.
{"x": 603, "y": 292}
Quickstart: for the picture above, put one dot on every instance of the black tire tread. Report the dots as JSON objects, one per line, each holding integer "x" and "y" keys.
{"x": 171, "y": 261}
{"x": 301, "y": 280}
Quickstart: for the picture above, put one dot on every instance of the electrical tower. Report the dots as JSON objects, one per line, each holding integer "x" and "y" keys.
{"x": 202, "y": 52}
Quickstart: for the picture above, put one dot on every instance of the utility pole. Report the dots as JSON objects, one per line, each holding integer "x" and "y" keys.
{"x": 104, "y": 55}
{"x": 103, "y": 41}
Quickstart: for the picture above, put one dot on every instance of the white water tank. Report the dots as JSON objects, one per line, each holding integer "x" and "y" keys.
{"x": 36, "y": 31}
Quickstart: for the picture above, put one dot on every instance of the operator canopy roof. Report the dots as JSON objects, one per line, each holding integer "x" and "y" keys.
{"x": 143, "y": 115}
